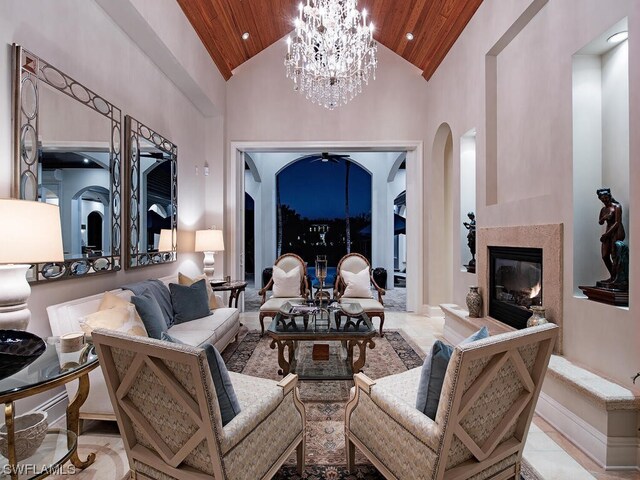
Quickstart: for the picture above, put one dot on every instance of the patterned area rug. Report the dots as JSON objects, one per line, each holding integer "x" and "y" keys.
{"x": 325, "y": 400}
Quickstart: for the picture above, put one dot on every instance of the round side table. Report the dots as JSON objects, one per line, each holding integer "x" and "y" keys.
{"x": 52, "y": 369}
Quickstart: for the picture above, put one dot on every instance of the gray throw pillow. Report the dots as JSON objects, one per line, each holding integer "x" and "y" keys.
{"x": 227, "y": 400}
{"x": 189, "y": 302}
{"x": 433, "y": 371}
{"x": 151, "y": 314}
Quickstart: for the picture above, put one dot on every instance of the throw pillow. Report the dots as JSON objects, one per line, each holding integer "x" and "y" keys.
{"x": 151, "y": 314}
{"x": 189, "y": 302}
{"x": 111, "y": 300}
{"x": 227, "y": 400}
{"x": 122, "y": 319}
{"x": 433, "y": 372}
{"x": 187, "y": 281}
{"x": 358, "y": 284}
{"x": 286, "y": 284}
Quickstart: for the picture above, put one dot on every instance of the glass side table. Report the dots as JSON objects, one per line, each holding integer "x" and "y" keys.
{"x": 52, "y": 369}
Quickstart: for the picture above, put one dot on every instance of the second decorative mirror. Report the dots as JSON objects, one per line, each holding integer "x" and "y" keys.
{"x": 151, "y": 181}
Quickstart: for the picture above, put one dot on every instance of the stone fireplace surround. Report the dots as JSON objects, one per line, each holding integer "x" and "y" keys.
{"x": 549, "y": 239}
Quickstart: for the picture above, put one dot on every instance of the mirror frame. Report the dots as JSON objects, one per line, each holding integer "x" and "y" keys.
{"x": 134, "y": 131}
{"x": 30, "y": 69}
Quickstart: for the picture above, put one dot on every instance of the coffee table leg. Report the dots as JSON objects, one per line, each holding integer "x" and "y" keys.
{"x": 285, "y": 364}
{"x": 362, "y": 358}
{"x": 73, "y": 420}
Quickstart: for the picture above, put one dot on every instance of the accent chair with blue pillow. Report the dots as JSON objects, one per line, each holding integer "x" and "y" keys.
{"x": 488, "y": 396}
{"x": 179, "y": 411}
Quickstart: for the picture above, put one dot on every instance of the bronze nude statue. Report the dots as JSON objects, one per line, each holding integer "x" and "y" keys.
{"x": 612, "y": 240}
{"x": 615, "y": 255}
{"x": 471, "y": 241}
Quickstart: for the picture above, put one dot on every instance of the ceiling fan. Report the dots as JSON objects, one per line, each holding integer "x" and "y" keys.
{"x": 325, "y": 157}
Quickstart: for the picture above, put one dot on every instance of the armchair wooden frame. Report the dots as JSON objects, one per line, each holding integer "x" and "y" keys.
{"x": 305, "y": 292}
{"x": 458, "y": 403}
{"x": 340, "y": 286}
{"x": 198, "y": 406}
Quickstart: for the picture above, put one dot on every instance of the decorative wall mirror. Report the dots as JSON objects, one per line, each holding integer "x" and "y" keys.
{"x": 67, "y": 152}
{"x": 151, "y": 180}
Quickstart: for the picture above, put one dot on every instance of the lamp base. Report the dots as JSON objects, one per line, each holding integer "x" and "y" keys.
{"x": 208, "y": 264}
{"x": 14, "y": 293}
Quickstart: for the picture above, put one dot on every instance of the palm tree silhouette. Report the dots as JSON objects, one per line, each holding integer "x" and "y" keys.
{"x": 347, "y": 220}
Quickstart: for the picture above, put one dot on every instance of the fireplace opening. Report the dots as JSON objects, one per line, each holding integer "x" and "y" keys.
{"x": 515, "y": 283}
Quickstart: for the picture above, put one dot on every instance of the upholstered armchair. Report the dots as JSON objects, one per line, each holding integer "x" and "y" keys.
{"x": 355, "y": 263}
{"x": 167, "y": 411}
{"x": 488, "y": 398}
{"x": 270, "y": 307}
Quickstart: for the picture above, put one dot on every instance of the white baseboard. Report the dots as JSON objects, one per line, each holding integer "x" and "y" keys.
{"x": 596, "y": 445}
{"x": 56, "y": 407}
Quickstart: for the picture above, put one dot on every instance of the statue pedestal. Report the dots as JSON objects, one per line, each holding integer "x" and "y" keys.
{"x": 471, "y": 266}
{"x": 610, "y": 296}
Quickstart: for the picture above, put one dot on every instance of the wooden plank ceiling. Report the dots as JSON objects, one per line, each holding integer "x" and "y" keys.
{"x": 435, "y": 24}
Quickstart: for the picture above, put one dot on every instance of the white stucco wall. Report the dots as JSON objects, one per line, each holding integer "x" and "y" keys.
{"x": 78, "y": 37}
{"x": 262, "y": 107}
{"x": 535, "y": 150}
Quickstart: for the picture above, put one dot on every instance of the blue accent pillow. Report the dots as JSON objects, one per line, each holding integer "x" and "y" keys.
{"x": 151, "y": 314}
{"x": 433, "y": 371}
{"x": 227, "y": 400}
{"x": 189, "y": 302}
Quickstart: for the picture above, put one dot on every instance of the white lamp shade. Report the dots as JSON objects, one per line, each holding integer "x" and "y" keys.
{"x": 31, "y": 232}
{"x": 165, "y": 244}
{"x": 209, "y": 241}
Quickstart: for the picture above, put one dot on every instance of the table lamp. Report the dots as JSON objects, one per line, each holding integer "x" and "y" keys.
{"x": 209, "y": 242}
{"x": 31, "y": 233}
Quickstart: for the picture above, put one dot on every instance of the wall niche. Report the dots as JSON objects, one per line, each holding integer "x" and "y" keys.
{"x": 600, "y": 145}
{"x": 467, "y": 193}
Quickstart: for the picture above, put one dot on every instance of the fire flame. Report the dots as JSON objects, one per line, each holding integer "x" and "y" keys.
{"x": 535, "y": 290}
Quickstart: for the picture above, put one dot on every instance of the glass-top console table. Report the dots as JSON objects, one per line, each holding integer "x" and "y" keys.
{"x": 51, "y": 370}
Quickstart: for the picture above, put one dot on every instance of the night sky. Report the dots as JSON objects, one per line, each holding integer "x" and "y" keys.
{"x": 316, "y": 190}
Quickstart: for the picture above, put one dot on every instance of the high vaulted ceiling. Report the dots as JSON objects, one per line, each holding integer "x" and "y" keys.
{"x": 435, "y": 24}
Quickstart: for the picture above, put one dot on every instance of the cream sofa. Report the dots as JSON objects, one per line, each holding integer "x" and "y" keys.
{"x": 219, "y": 329}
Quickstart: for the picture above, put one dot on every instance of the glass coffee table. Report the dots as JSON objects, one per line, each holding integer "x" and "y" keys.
{"x": 346, "y": 323}
{"x": 52, "y": 369}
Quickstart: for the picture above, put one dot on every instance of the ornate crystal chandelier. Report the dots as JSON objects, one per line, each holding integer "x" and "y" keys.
{"x": 332, "y": 52}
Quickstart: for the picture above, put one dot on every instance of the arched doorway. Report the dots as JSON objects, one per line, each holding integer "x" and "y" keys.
{"x": 94, "y": 231}
{"x": 249, "y": 237}
{"x": 438, "y": 281}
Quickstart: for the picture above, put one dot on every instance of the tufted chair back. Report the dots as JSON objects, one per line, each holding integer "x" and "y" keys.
{"x": 353, "y": 262}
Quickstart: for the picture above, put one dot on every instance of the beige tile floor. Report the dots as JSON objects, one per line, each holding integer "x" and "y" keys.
{"x": 552, "y": 456}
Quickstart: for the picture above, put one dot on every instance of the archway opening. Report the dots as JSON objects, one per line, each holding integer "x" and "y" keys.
{"x": 94, "y": 231}
{"x": 323, "y": 207}
{"x": 439, "y": 231}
